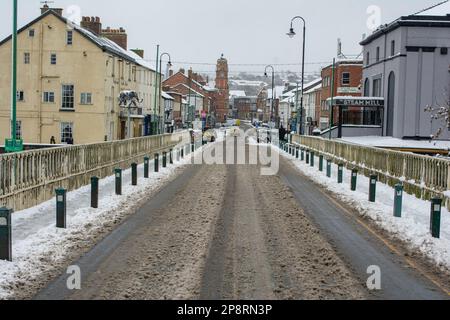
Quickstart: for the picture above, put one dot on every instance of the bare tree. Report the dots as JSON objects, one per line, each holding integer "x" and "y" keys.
{"x": 440, "y": 112}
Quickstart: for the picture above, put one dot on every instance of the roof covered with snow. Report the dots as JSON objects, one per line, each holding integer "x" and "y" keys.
{"x": 102, "y": 42}
{"x": 390, "y": 142}
{"x": 166, "y": 96}
{"x": 237, "y": 93}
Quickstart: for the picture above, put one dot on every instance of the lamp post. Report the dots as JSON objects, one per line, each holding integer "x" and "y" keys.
{"x": 273, "y": 90}
{"x": 160, "y": 82}
{"x": 13, "y": 144}
{"x": 291, "y": 34}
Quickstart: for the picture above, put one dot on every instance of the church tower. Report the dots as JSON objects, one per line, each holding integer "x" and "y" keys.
{"x": 222, "y": 104}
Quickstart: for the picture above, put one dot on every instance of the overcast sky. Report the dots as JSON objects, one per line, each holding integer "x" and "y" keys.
{"x": 245, "y": 31}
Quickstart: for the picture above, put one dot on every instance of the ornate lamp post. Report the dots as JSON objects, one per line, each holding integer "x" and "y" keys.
{"x": 291, "y": 34}
{"x": 160, "y": 83}
{"x": 273, "y": 90}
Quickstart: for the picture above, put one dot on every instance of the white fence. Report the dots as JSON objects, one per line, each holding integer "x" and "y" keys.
{"x": 29, "y": 178}
{"x": 422, "y": 176}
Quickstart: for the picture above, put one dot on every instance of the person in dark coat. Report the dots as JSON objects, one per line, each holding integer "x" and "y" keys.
{"x": 282, "y": 133}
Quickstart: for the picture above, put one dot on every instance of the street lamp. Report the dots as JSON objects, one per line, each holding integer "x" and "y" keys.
{"x": 160, "y": 82}
{"x": 13, "y": 144}
{"x": 292, "y": 34}
{"x": 273, "y": 90}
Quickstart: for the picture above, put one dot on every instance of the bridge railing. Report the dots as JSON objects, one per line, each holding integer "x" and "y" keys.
{"x": 422, "y": 176}
{"x": 29, "y": 178}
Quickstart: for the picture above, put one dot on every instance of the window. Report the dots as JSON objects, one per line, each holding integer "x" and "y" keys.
{"x": 378, "y": 54}
{"x": 31, "y": 33}
{"x": 367, "y": 58}
{"x": 26, "y": 58}
{"x": 392, "y": 48}
{"x": 67, "y": 132}
{"x": 367, "y": 88}
{"x": 345, "y": 78}
{"x": 69, "y": 37}
{"x": 376, "y": 88}
{"x": 48, "y": 97}
{"x": 20, "y": 96}
{"x": 86, "y": 98}
{"x": 18, "y": 129}
{"x": 67, "y": 97}
{"x": 53, "y": 58}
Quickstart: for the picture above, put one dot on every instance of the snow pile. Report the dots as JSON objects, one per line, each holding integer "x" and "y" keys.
{"x": 414, "y": 226}
{"x": 39, "y": 247}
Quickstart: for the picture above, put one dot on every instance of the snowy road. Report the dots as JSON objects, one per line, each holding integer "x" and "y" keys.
{"x": 226, "y": 232}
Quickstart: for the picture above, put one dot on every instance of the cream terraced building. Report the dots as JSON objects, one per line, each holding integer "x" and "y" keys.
{"x": 69, "y": 80}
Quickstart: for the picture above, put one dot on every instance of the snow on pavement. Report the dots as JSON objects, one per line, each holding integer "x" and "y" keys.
{"x": 40, "y": 249}
{"x": 414, "y": 226}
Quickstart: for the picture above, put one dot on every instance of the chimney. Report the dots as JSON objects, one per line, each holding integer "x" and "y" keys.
{"x": 182, "y": 71}
{"x": 46, "y": 8}
{"x": 190, "y": 73}
{"x": 139, "y": 52}
{"x": 93, "y": 24}
{"x": 119, "y": 36}
{"x": 170, "y": 72}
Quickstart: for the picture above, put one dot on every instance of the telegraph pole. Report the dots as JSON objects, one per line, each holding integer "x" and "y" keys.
{"x": 13, "y": 144}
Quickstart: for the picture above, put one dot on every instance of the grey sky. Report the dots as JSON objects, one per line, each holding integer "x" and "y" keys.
{"x": 246, "y": 31}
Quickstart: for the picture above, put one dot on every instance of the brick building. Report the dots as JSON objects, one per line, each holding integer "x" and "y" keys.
{"x": 347, "y": 82}
{"x": 193, "y": 88}
{"x": 223, "y": 90}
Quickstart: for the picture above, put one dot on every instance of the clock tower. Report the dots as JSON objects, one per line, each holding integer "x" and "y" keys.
{"x": 223, "y": 90}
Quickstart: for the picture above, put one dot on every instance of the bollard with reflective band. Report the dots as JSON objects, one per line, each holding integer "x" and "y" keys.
{"x": 307, "y": 156}
{"x": 373, "y": 188}
{"x": 354, "y": 179}
{"x": 182, "y": 152}
{"x": 193, "y": 147}
{"x": 321, "y": 163}
{"x": 328, "y": 168}
{"x": 94, "y": 192}
{"x": 435, "y": 219}
{"x": 118, "y": 175}
{"x": 398, "y": 200}
{"x": 302, "y": 155}
{"x": 61, "y": 208}
{"x": 5, "y": 234}
{"x": 340, "y": 173}
{"x": 293, "y": 151}
{"x": 146, "y": 167}
{"x": 134, "y": 179}
{"x": 164, "y": 160}
{"x": 312, "y": 160}
{"x": 297, "y": 153}
{"x": 156, "y": 162}
{"x": 171, "y": 156}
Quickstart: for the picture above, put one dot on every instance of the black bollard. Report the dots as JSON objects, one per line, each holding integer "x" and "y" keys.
{"x": 61, "y": 208}
{"x": 5, "y": 234}
{"x": 94, "y": 192}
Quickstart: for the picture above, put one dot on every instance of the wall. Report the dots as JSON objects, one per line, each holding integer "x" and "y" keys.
{"x": 422, "y": 176}
{"x": 31, "y": 177}
{"x": 421, "y": 78}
